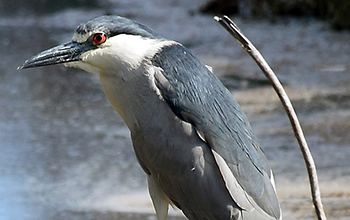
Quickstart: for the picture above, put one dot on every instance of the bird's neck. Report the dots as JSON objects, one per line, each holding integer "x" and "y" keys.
{"x": 127, "y": 80}
{"x": 131, "y": 96}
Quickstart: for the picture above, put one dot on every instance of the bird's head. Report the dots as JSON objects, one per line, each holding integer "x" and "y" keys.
{"x": 100, "y": 44}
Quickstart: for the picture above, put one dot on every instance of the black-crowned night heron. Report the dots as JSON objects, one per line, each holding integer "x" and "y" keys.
{"x": 189, "y": 134}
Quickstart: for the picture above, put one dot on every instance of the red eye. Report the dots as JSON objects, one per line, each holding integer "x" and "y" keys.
{"x": 99, "y": 38}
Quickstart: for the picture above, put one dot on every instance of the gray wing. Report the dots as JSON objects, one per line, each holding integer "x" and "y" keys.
{"x": 198, "y": 97}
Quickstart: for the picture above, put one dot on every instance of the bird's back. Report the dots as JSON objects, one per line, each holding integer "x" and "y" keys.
{"x": 231, "y": 178}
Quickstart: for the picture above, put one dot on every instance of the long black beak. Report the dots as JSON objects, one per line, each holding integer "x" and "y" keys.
{"x": 63, "y": 53}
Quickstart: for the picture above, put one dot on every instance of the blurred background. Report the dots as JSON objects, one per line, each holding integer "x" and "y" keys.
{"x": 65, "y": 153}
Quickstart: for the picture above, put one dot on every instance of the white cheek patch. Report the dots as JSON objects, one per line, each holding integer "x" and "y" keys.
{"x": 122, "y": 53}
{"x": 133, "y": 49}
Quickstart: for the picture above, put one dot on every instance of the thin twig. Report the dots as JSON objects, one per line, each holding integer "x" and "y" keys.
{"x": 232, "y": 28}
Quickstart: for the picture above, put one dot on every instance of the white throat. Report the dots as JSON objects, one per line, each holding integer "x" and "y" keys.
{"x": 123, "y": 62}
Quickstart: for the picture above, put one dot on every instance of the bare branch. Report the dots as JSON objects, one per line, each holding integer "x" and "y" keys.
{"x": 232, "y": 28}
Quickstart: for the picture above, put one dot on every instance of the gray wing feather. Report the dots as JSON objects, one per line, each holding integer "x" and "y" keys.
{"x": 197, "y": 96}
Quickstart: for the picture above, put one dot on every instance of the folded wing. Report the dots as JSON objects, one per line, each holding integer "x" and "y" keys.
{"x": 198, "y": 97}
